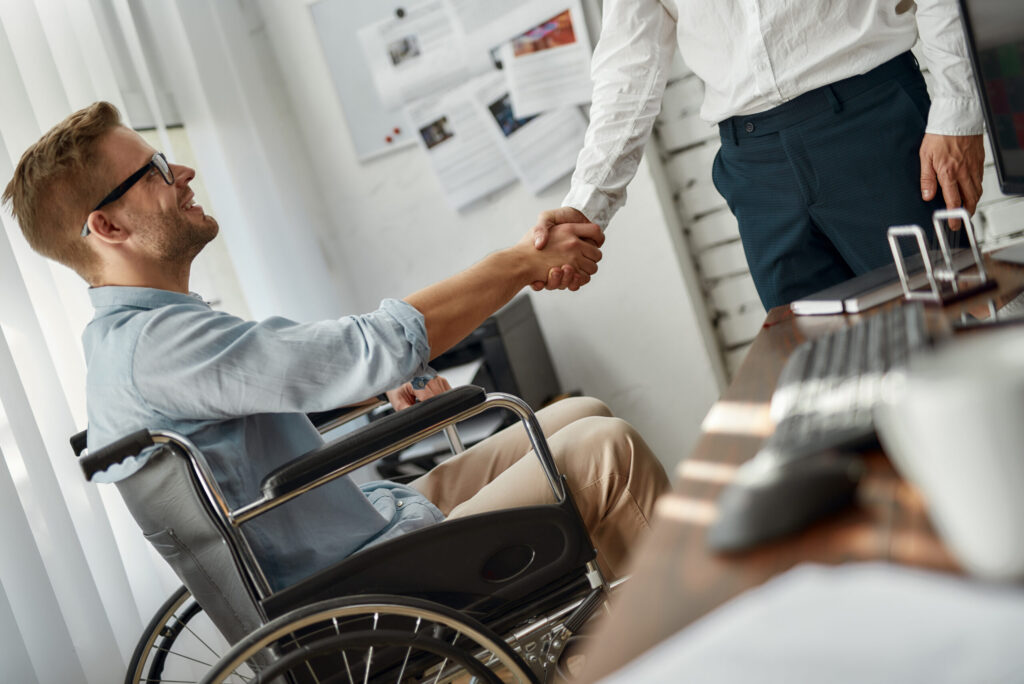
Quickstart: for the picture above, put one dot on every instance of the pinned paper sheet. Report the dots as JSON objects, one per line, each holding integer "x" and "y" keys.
{"x": 548, "y": 66}
{"x": 413, "y": 55}
{"x": 541, "y": 148}
{"x": 485, "y": 25}
{"x": 465, "y": 158}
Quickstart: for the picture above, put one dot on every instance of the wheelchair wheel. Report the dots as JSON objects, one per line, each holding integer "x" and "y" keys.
{"x": 375, "y": 639}
{"x": 179, "y": 644}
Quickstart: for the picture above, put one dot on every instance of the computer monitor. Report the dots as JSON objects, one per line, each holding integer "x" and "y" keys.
{"x": 995, "y": 39}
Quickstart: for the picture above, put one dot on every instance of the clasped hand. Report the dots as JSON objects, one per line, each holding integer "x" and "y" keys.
{"x": 571, "y": 221}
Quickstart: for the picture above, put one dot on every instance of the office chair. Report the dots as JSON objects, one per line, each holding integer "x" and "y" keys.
{"x": 500, "y": 591}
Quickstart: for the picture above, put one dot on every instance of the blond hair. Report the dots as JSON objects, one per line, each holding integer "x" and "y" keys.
{"x": 57, "y": 184}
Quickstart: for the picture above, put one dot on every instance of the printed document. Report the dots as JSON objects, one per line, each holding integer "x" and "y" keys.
{"x": 462, "y": 151}
{"x": 541, "y": 148}
{"x": 484, "y": 25}
{"x": 415, "y": 55}
{"x": 548, "y": 65}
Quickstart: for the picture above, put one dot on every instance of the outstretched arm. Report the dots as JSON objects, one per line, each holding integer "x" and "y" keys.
{"x": 629, "y": 69}
{"x": 454, "y": 307}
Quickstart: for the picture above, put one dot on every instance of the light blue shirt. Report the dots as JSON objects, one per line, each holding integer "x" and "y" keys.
{"x": 240, "y": 391}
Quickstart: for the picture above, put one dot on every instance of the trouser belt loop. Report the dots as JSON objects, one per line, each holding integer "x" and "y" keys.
{"x": 732, "y": 130}
{"x": 830, "y": 93}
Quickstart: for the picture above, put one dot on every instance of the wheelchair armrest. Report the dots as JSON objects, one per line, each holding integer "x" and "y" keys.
{"x": 114, "y": 453}
{"x": 369, "y": 439}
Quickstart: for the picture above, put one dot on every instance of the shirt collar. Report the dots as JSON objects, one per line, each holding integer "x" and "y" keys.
{"x": 140, "y": 297}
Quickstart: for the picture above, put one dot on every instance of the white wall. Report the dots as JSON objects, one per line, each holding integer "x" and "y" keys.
{"x": 631, "y": 337}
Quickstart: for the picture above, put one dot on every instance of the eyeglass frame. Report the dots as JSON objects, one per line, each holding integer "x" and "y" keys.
{"x": 158, "y": 161}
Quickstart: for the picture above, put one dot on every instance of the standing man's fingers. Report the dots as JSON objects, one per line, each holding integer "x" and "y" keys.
{"x": 929, "y": 183}
{"x": 970, "y": 191}
{"x": 551, "y": 218}
{"x": 540, "y": 231}
{"x": 957, "y": 164}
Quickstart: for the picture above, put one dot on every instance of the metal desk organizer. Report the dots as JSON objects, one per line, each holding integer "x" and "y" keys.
{"x": 945, "y": 283}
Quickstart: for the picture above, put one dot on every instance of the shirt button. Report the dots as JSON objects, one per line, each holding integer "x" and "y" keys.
{"x": 749, "y": 127}
{"x": 400, "y": 503}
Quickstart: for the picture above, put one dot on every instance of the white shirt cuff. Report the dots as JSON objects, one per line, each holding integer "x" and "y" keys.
{"x": 592, "y": 203}
{"x": 955, "y": 116}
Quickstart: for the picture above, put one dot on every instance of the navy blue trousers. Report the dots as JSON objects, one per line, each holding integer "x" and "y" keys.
{"x": 815, "y": 183}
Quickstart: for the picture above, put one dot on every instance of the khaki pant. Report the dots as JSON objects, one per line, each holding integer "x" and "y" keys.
{"x": 612, "y": 474}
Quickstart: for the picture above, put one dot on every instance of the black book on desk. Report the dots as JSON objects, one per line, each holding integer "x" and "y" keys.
{"x": 872, "y": 288}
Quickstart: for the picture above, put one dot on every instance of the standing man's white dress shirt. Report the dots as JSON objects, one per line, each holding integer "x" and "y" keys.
{"x": 752, "y": 55}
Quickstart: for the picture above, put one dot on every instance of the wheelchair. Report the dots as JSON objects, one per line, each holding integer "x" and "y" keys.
{"x": 495, "y": 597}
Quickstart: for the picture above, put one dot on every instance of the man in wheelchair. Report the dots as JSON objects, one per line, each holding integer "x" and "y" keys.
{"x": 92, "y": 195}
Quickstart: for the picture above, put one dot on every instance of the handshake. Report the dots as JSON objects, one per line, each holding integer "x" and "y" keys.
{"x": 563, "y": 228}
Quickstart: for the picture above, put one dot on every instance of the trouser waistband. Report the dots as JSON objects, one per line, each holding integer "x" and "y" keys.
{"x": 903, "y": 67}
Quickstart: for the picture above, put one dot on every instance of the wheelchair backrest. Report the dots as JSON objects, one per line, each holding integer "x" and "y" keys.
{"x": 165, "y": 502}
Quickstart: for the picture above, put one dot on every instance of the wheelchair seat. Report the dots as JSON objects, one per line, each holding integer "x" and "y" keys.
{"x": 499, "y": 572}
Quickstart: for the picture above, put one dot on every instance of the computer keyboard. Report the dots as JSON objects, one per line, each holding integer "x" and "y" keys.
{"x": 822, "y": 403}
{"x": 824, "y": 396}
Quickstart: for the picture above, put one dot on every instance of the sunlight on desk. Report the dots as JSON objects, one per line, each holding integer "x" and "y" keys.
{"x": 685, "y": 509}
{"x": 739, "y": 418}
{"x": 706, "y": 471}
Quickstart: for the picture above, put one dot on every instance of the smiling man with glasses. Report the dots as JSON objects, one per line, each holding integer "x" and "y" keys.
{"x": 160, "y": 357}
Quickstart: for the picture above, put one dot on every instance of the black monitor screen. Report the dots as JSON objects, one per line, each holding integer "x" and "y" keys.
{"x": 995, "y": 35}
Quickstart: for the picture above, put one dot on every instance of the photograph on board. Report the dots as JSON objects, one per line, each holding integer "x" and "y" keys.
{"x": 501, "y": 110}
{"x": 553, "y": 33}
{"x": 436, "y": 132}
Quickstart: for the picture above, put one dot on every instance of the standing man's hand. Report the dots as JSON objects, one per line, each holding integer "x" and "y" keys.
{"x": 566, "y": 276}
{"x": 956, "y": 163}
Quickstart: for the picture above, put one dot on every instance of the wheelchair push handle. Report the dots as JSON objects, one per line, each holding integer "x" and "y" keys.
{"x": 115, "y": 453}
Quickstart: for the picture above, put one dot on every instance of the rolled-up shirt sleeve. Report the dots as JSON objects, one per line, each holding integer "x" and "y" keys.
{"x": 200, "y": 364}
{"x": 629, "y": 69}
{"x": 955, "y": 108}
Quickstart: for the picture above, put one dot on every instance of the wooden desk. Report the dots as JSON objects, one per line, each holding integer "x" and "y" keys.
{"x": 677, "y": 579}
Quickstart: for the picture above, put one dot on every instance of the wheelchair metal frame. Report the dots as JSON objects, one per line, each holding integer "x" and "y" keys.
{"x": 230, "y": 521}
{"x": 257, "y": 586}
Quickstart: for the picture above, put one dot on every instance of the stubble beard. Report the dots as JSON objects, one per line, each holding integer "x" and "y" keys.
{"x": 176, "y": 239}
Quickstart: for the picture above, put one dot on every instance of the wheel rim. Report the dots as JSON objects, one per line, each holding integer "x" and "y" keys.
{"x": 364, "y": 621}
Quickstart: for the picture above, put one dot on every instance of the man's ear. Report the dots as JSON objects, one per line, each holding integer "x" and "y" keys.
{"x": 106, "y": 227}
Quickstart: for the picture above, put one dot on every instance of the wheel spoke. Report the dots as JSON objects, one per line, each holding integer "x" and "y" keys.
{"x": 369, "y": 653}
{"x": 170, "y": 651}
{"x": 348, "y": 670}
{"x": 201, "y": 640}
{"x": 408, "y": 651}
{"x": 444, "y": 663}
{"x": 312, "y": 673}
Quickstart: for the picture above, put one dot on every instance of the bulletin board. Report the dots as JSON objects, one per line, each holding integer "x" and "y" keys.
{"x": 374, "y": 128}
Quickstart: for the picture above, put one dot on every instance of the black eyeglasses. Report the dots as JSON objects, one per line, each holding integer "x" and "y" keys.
{"x": 157, "y": 161}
